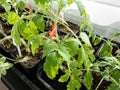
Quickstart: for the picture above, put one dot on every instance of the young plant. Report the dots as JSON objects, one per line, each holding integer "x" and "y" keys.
{"x": 71, "y": 54}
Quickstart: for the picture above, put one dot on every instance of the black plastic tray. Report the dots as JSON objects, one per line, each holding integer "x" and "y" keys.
{"x": 15, "y": 80}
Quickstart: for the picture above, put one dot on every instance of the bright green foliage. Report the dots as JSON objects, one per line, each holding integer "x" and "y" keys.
{"x": 88, "y": 80}
{"x": 13, "y": 18}
{"x": 116, "y": 75}
{"x": 73, "y": 84}
{"x": 21, "y": 5}
{"x": 36, "y": 1}
{"x": 64, "y": 53}
{"x": 113, "y": 87}
{"x": 43, "y": 1}
{"x": 6, "y": 6}
{"x": 49, "y": 46}
{"x": 73, "y": 55}
{"x": 64, "y": 77}
{"x": 80, "y": 7}
{"x": 27, "y": 31}
{"x": 111, "y": 72}
{"x": 72, "y": 45}
{"x": 61, "y": 5}
{"x": 81, "y": 57}
{"x": 51, "y": 65}
{"x": 35, "y": 42}
{"x": 70, "y": 1}
{"x": 2, "y": 1}
{"x": 16, "y": 35}
{"x": 4, "y": 66}
{"x": 86, "y": 25}
{"x": 39, "y": 22}
{"x": 4, "y": 16}
{"x": 33, "y": 27}
{"x": 97, "y": 41}
{"x": 43, "y": 4}
{"x": 106, "y": 49}
{"x": 85, "y": 38}
{"x": 89, "y": 53}
{"x": 115, "y": 36}
{"x": 85, "y": 57}
{"x": 73, "y": 64}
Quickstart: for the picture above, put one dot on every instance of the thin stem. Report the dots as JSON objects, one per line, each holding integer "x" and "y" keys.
{"x": 115, "y": 81}
{"x": 7, "y": 58}
{"x": 55, "y": 23}
{"x": 5, "y": 38}
{"x": 90, "y": 70}
{"x": 2, "y": 33}
{"x": 1, "y": 30}
{"x": 18, "y": 48}
{"x": 99, "y": 83}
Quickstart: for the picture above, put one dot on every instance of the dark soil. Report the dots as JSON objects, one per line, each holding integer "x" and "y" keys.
{"x": 72, "y": 26}
{"x": 97, "y": 78}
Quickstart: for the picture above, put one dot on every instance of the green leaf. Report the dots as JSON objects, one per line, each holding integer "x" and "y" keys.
{"x": 36, "y": 2}
{"x": 43, "y": 1}
{"x": 64, "y": 77}
{"x": 33, "y": 27}
{"x": 4, "y": 66}
{"x": 106, "y": 50}
{"x": 64, "y": 53}
{"x": 24, "y": 30}
{"x": 116, "y": 75}
{"x": 16, "y": 35}
{"x": 2, "y": 59}
{"x": 76, "y": 74}
{"x": 61, "y": 5}
{"x": 39, "y": 22}
{"x": 2, "y": 1}
{"x": 21, "y": 5}
{"x": 73, "y": 84}
{"x": 89, "y": 52}
{"x": 73, "y": 64}
{"x": 48, "y": 47}
{"x": 27, "y": 31}
{"x": 43, "y": 4}
{"x": 35, "y": 42}
{"x": 97, "y": 41}
{"x": 88, "y": 80}
{"x": 51, "y": 65}
{"x": 113, "y": 86}
{"x": 80, "y": 6}
{"x": 6, "y": 6}
{"x": 101, "y": 63}
{"x": 71, "y": 1}
{"x": 86, "y": 25}
{"x": 13, "y": 18}
{"x": 106, "y": 73}
{"x": 72, "y": 45}
{"x": 85, "y": 38}
{"x": 81, "y": 57}
{"x": 115, "y": 36}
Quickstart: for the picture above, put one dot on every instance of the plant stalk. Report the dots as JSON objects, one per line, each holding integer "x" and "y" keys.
{"x": 99, "y": 83}
{"x": 5, "y": 38}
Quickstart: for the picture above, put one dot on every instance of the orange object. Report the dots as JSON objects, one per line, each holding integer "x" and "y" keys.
{"x": 31, "y": 16}
{"x": 29, "y": 7}
{"x": 52, "y": 32}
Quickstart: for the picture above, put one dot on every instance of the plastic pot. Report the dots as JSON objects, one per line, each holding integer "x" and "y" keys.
{"x": 15, "y": 80}
{"x": 49, "y": 84}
